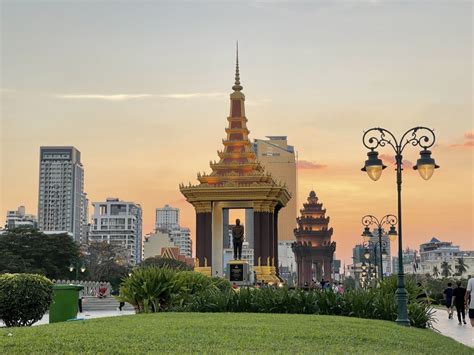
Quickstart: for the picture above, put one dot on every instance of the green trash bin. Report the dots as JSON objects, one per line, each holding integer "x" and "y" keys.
{"x": 65, "y": 303}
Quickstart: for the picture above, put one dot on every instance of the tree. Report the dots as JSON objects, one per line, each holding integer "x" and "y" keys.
{"x": 461, "y": 266}
{"x": 106, "y": 262}
{"x": 27, "y": 250}
{"x": 435, "y": 271}
{"x": 446, "y": 270}
{"x": 160, "y": 262}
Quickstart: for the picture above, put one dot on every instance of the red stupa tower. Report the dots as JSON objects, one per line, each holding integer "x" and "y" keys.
{"x": 314, "y": 250}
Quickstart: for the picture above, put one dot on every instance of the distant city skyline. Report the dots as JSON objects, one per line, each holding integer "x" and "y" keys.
{"x": 142, "y": 93}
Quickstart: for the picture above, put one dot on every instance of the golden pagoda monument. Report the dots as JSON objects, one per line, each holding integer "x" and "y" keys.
{"x": 314, "y": 250}
{"x": 237, "y": 181}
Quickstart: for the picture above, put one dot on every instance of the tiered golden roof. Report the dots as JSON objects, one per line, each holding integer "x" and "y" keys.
{"x": 238, "y": 165}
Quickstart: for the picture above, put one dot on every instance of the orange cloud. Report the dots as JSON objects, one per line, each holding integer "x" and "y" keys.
{"x": 309, "y": 165}
{"x": 468, "y": 141}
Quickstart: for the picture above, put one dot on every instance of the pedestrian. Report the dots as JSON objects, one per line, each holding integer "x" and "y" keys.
{"x": 340, "y": 288}
{"x": 448, "y": 298}
{"x": 327, "y": 286}
{"x": 79, "y": 300}
{"x": 322, "y": 283}
{"x": 469, "y": 299}
{"x": 459, "y": 293}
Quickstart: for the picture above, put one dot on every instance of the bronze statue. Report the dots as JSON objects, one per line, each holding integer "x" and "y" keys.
{"x": 237, "y": 239}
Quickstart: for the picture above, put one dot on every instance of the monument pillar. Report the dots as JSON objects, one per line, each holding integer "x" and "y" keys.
{"x": 204, "y": 238}
{"x": 275, "y": 238}
{"x": 257, "y": 237}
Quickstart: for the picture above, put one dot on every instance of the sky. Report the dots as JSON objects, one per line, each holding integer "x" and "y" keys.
{"x": 141, "y": 89}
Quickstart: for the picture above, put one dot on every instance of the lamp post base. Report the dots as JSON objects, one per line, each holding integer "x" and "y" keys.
{"x": 401, "y": 296}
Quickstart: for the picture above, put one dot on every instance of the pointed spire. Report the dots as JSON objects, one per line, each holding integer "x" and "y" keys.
{"x": 237, "y": 86}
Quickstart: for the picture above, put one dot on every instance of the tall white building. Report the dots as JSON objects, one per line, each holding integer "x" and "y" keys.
{"x": 166, "y": 218}
{"x": 287, "y": 262}
{"x": 61, "y": 198}
{"x": 181, "y": 238}
{"x": 119, "y": 223}
{"x": 19, "y": 218}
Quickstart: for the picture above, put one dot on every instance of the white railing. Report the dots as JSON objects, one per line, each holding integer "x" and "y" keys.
{"x": 91, "y": 288}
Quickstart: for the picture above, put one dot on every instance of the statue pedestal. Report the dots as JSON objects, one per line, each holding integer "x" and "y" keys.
{"x": 238, "y": 272}
{"x": 267, "y": 274}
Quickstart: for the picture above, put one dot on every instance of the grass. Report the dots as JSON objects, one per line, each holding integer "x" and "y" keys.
{"x": 226, "y": 333}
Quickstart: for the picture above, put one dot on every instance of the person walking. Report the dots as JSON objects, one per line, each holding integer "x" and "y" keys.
{"x": 448, "y": 298}
{"x": 340, "y": 288}
{"x": 459, "y": 294}
{"x": 79, "y": 300}
{"x": 469, "y": 299}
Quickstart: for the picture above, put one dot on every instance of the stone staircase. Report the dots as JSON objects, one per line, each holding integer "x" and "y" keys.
{"x": 102, "y": 304}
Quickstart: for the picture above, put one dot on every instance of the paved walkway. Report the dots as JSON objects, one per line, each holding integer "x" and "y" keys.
{"x": 86, "y": 315}
{"x": 449, "y": 327}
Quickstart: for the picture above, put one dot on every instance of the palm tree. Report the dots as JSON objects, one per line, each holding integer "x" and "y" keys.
{"x": 446, "y": 269}
{"x": 461, "y": 266}
{"x": 435, "y": 271}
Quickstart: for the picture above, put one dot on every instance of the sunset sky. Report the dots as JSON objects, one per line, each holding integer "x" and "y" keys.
{"x": 141, "y": 89}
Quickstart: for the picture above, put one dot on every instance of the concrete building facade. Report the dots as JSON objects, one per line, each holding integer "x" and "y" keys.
{"x": 279, "y": 159}
{"x": 435, "y": 252}
{"x": 154, "y": 243}
{"x": 286, "y": 258}
{"x": 19, "y": 218}
{"x": 181, "y": 237}
{"x": 119, "y": 223}
{"x": 167, "y": 217}
{"x": 61, "y": 198}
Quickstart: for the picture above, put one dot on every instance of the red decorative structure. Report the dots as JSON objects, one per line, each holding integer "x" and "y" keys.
{"x": 313, "y": 248}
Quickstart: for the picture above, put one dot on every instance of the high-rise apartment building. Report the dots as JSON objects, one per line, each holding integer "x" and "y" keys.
{"x": 61, "y": 198}
{"x": 279, "y": 159}
{"x": 166, "y": 218}
{"x": 19, "y": 218}
{"x": 119, "y": 223}
{"x": 181, "y": 237}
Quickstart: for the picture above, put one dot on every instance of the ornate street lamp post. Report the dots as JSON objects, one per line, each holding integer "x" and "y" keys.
{"x": 76, "y": 267}
{"x": 369, "y": 220}
{"x": 380, "y": 137}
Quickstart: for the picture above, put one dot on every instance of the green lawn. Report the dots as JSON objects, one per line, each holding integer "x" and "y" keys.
{"x": 226, "y": 332}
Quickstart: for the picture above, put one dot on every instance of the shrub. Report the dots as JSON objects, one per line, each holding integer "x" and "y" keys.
{"x": 161, "y": 262}
{"x": 376, "y": 303}
{"x": 153, "y": 289}
{"x": 188, "y": 283}
{"x": 24, "y": 298}
{"x": 148, "y": 289}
